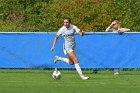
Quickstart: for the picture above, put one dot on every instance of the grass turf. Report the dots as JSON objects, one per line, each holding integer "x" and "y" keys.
{"x": 42, "y": 82}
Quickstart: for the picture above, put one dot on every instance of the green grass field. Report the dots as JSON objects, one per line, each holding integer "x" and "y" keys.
{"x": 42, "y": 82}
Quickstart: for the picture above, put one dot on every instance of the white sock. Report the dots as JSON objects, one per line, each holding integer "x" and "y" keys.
{"x": 116, "y": 70}
{"x": 64, "y": 59}
{"x": 78, "y": 69}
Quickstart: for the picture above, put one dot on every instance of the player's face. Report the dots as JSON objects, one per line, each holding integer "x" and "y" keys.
{"x": 66, "y": 23}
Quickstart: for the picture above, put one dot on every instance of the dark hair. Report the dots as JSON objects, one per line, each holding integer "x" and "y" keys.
{"x": 68, "y": 18}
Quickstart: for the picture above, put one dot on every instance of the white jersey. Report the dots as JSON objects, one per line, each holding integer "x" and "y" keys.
{"x": 68, "y": 34}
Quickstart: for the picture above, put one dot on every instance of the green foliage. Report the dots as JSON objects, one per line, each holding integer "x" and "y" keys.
{"x": 47, "y": 15}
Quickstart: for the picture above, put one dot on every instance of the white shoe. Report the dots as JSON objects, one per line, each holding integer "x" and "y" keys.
{"x": 56, "y": 59}
{"x": 116, "y": 73}
{"x": 85, "y": 78}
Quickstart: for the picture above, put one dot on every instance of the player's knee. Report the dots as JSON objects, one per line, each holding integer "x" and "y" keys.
{"x": 71, "y": 63}
{"x": 75, "y": 60}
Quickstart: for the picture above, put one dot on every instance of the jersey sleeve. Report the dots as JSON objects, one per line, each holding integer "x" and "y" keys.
{"x": 59, "y": 32}
{"x": 77, "y": 30}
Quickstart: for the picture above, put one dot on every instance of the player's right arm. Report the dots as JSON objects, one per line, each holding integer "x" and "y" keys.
{"x": 54, "y": 42}
{"x": 56, "y": 38}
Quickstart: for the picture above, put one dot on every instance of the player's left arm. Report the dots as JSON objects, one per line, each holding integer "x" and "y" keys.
{"x": 81, "y": 33}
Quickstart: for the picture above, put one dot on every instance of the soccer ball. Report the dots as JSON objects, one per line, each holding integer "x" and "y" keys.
{"x": 56, "y": 74}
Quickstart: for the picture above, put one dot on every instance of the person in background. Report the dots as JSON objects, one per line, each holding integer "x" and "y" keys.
{"x": 95, "y": 71}
{"x": 115, "y": 27}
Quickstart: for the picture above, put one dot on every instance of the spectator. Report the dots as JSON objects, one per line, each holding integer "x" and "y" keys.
{"x": 115, "y": 27}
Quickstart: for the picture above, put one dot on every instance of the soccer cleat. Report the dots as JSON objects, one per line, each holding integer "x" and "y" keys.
{"x": 85, "y": 78}
{"x": 116, "y": 73}
{"x": 56, "y": 59}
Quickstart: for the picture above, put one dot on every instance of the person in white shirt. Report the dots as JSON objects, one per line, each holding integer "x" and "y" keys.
{"x": 68, "y": 31}
{"x": 115, "y": 27}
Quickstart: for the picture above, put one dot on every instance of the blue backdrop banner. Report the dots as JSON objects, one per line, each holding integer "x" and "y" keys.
{"x": 94, "y": 50}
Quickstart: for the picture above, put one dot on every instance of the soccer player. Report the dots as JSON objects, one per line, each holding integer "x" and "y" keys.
{"x": 115, "y": 27}
{"x": 67, "y": 31}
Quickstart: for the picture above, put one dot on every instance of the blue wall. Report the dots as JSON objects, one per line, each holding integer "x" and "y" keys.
{"x": 99, "y": 50}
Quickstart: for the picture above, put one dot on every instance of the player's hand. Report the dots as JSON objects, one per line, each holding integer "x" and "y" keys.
{"x": 52, "y": 49}
{"x": 83, "y": 33}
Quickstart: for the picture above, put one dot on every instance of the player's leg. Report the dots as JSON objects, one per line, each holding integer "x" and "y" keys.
{"x": 66, "y": 60}
{"x": 72, "y": 56}
{"x": 116, "y": 71}
{"x": 57, "y": 58}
